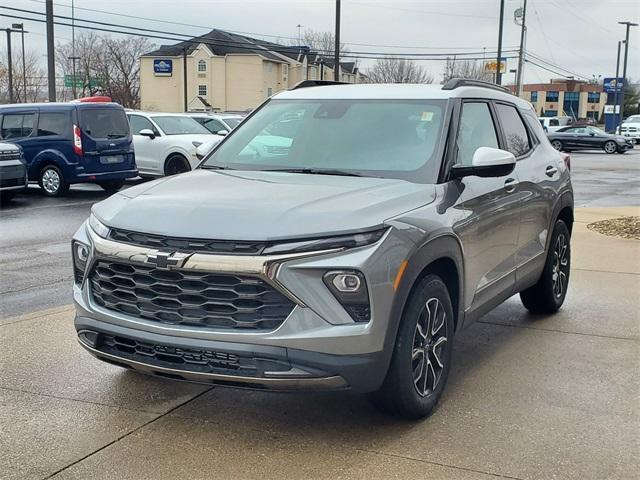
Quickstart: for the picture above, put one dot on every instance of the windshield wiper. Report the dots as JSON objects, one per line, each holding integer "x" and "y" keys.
{"x": 315, "y": 171}
{"x": 215, "y": 167}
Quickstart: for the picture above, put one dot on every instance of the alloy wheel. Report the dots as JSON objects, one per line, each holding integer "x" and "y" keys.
{"x": 428, "y": 351}
{"x": 610, "y": 147}
{"x": 50, "y": 180}
{"x": 557, "y": 145}
{"x": 560, "y": 266}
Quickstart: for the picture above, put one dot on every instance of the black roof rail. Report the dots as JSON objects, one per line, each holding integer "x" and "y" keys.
{"x": 469, "y": 82}
{"x": 315, "y": 83}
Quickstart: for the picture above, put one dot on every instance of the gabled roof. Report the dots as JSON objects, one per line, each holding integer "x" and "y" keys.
{"x": 223, "y": 43}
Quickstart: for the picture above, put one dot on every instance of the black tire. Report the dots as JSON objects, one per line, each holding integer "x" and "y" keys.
{"x": 111, "y": 186}
{"x": 557, "y": 144}
{"x": 547, "y": 296}
{"x": 410, "y": 389}
{"x": 610, "y": 147}
{"x": 52, "y": 182}
{"x": 176, "y": 164}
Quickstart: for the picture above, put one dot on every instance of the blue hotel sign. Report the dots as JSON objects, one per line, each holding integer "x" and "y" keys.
{"x": 610, "y": 85}
{"x": 162, "y": 67}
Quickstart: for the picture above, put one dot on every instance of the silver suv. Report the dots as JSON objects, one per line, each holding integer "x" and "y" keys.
{"x": 339, "y": 238}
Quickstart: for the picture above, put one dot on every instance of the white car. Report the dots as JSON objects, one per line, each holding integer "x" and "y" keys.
{"x": 166, "y": 143}
{"x": 220, "y": 124}
{"x": 551, "y": 124}
{"x": 630, "y": 128}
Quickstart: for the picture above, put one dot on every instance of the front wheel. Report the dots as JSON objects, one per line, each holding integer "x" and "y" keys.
{"x": 176, "y": 164}
{"x": 52, "y": 181}
{"x": 557, "y": 144}
{"x": 422, "y": 354}
{"x": 111, "y": 186}
{"x": 610, "y": 147}
{"x": 547, "y": 296}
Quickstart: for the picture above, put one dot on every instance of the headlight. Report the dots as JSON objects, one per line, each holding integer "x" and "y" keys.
{"x": 343, "y": 241}
{"x": 80, "y": 253}
{"x": 98, "y": 227}
{"x": 350, "y": 289}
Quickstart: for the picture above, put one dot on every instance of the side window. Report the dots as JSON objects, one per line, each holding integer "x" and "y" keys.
{"x": 140, "y": 123}
{"x": 50, "y": 123}
{"x": 17, "y": 125}
{"x": 476, "y": 130}
{"x": 514, "y": 130}
{"x": 554, "y": 122}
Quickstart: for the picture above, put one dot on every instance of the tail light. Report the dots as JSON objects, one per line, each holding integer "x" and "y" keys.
{"x": 77, "y": 141}
{"x": 567, "y": 159}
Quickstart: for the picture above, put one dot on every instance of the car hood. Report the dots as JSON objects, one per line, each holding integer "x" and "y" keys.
{"x": 234, "y": 205}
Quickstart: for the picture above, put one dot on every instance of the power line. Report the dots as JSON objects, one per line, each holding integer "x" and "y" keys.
{"x": 230, "y": 43}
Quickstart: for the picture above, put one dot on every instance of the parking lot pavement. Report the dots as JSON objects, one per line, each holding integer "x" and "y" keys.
{"x": 529, "y": 397}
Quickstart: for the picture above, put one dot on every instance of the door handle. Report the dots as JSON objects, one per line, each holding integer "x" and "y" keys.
{"x": 510, "y": 184}
{"x": 551, "y": 171}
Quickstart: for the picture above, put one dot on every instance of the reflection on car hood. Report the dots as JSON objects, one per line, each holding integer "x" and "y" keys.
{"x": 237, "y": 205}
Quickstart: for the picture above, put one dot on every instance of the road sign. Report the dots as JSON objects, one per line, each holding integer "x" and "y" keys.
{"x": 492, "y": 66}
{"x": 80, "y": 81}
{"x": 610, "y": 85}
{"x": 609, "y": 109}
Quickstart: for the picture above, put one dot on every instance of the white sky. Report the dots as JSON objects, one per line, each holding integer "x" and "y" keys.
{"x": 579, "y": 35}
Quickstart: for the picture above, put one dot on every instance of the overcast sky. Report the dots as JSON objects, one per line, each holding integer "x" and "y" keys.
{"x": 578, "y": 35}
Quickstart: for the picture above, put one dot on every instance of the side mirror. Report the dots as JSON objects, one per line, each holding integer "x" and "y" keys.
{"x": 592, "y": 134}
{"x": 204, "y": 149}
{"x": 222, "y": 132}
{"x": 487, "y": 162}
{"x": 147, "y": 132}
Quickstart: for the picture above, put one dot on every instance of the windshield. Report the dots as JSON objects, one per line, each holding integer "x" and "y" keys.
{"x": 633, "y": 119}
{"x": 380, "y": 138}
{"x": 104, "y": 122}
{"x": 232, "y": 122}
{"x": 179, "y": 125}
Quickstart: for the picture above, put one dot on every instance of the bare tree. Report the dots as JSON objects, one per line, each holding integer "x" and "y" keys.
{"x": 321, "y": 42}
{"x": 36, "y": 79}
{"x": 106, "y": 65}
{"x": 398, "y": 70}
{"x": 465, "y": 69}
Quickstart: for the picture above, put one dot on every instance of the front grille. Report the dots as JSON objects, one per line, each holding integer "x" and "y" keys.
{"x": 187, "y": 245}
{"x": 15, "y": 155}
{"x": 12, "y": 182}
{"x": 180, "y": 297}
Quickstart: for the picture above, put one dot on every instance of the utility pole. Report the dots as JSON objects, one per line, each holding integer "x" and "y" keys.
{"x": 51, "y": 55}
{"x": 615, "y": 91}
{"x": 336, "y": 58}
{"x": 10, "y": 65}
{"x": 624, "y": 68}
{"x": 299, "y": 34}
{"x": 498, "y": 72}
{"x": 521, "y": 52}
{"x": 20, "y": 27}
{"x": 184, "y": 76}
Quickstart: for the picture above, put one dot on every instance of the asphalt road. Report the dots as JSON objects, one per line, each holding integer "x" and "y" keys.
{"x": 35, "y": 231}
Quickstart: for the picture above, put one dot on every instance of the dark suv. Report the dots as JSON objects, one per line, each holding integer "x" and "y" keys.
{"x": 75, "y": 142}
{"x": 338, "y": 238}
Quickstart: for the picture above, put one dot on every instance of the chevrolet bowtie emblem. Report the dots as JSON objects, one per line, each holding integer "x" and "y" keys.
{"x": 168, "y": 261}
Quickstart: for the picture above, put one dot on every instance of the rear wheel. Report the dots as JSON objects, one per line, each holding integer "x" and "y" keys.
{"x": 557, "y": 144}
{"x": 422, "y": 353}
{"x": 610, "y": 147}
{"x": 52, "y": 181}
{"x": 176, "y": 164}
{"x": 548, "y": 295}
{"x": 111, "y": 186}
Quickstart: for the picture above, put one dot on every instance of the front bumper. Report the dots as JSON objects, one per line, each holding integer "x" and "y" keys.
{"x": 318, "y": 346}
{"x": 13, "y": 175}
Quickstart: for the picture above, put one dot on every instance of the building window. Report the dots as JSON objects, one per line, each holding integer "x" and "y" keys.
{"x": 551, "y": 113}
{"x": 593, "y": 97}
{"x": 269, "y": 91}
{"x": 285, "y": 73}
{"x": 534, "y": 97}
{"x": 593, "y": 115}
{"x": 552, "y": 96}
{"x": 202, "y": 66}
{"x": 571, "y": 96}
{"x": 202, "y": 90}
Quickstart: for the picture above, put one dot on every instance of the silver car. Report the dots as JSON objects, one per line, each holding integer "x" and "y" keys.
{"x": 345, "y": 258}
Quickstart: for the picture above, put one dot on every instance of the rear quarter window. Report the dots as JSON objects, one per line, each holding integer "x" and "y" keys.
{"x": 515, "y": 132}
{"x": 52, "y": 123}
{"x": 104, "y": 122}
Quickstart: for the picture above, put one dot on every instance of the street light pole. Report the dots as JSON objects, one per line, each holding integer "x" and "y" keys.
{"x": 615, "y": 91}
{"x": 20, "y": 27}
{"x": 521, "y": 53}
{"x": 10, "y": 65}
{"x": 336, "y": 59}
{"x": 498, "y": 72}
{"x": 624, "y": 68}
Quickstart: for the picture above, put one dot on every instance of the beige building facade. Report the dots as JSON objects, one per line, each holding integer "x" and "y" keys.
{"x": 228, "y": 72}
